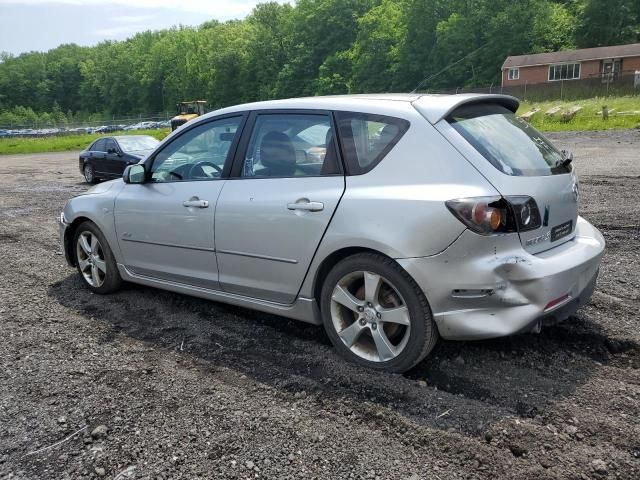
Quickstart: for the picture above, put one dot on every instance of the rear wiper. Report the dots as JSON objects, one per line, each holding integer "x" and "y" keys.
{"x": 567, "y": 158}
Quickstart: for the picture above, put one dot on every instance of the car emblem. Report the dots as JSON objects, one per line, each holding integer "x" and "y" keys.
{"x": 575, "y": 190}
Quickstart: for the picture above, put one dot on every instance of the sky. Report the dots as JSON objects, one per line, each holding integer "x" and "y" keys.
{"x": 41, "y": 25}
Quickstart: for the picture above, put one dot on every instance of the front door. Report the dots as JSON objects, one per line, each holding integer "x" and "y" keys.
{"x": 114, "y": 161}
{"x": 271, "y": 217}
{"x": 165, "y": 226}
{"x": 98, "y": 155}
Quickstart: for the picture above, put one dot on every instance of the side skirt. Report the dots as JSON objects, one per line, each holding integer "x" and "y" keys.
{"x": 303, "y": 309}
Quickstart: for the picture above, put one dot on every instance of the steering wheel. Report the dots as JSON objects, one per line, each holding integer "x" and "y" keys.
{"x": 204, "y": 163}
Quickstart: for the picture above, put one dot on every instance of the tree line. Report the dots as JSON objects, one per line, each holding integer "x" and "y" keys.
{"x": 313, "y": 47}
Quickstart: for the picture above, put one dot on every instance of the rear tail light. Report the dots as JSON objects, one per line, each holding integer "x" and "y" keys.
{"x": 489, "y": 215}
{"x": 484, "y": 215}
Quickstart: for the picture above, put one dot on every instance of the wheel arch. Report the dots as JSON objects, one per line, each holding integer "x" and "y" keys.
{"x": 70, "y": 233}
{"x": 332, "y": 260}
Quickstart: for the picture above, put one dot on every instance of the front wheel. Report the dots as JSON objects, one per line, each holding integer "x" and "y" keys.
{"x": 376, "y": 315}
{"x": 94, "y": 259}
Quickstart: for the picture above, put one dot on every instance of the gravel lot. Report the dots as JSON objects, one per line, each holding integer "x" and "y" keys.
{"x": 159, "y": 385}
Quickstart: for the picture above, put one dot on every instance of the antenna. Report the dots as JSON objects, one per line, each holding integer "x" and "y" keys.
{"x": 451, "y": 65}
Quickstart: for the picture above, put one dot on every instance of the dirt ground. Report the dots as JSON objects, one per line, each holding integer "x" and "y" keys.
{"x": 157, "y": 385}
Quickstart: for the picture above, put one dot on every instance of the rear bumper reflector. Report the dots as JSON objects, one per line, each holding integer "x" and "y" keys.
{"x": 556, "y": 302}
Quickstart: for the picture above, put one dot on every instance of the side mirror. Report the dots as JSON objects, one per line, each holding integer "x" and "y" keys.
{"x": 134, "y": 174}
{"x": 112, "y": 150}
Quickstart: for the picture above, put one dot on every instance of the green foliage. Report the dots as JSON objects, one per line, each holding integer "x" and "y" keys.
{"x": 375, "y": 55}
{"x": 26, "y": 116}
{"x": 312, "y": 47}
{"x": 608, "y": 22}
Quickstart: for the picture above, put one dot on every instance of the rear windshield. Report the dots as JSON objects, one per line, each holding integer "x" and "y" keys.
{"x": 509, "y": 143}
{"x": 137, "y": 143}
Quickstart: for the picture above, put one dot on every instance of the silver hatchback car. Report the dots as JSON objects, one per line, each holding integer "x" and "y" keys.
{"x": 391, "y": 219}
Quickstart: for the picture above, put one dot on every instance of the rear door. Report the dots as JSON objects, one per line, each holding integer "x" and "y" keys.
{"x": 519, "y": 161}
{"x": 273, "y": 212}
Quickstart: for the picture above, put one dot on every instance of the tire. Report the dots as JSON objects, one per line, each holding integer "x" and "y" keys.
{"x": 94, "y": 261}
{"x": 376, "y": 315}
{"x": 89, "y": 174}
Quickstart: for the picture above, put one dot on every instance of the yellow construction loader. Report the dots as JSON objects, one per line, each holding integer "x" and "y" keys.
{"x": 187, "y": 111}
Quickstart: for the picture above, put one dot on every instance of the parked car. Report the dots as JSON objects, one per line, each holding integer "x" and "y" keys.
{"x": 107, "y": 128}
{"x": 408, "y": 218}
{"x": 147, "y": 125}
{"x": 107, "y": 157}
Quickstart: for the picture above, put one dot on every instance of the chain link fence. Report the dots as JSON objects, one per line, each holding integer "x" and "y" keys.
{"x": 104, "y": 125}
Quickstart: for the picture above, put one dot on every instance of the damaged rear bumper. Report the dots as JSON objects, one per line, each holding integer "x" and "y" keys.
{"x": 485, "y": 287}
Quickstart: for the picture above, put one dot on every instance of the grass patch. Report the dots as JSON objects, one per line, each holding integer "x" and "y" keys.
{"x": 585, "y": 119}
{"x": 65, "y": 143}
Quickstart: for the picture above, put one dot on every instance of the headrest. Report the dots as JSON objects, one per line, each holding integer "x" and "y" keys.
{"x": 277, "y": 154}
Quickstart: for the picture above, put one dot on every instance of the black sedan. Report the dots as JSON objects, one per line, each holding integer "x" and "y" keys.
{"x": 107, "y": 157}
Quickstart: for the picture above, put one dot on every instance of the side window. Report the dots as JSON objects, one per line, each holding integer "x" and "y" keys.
{"x": 291, "y": 145}
{"x": 367, "y": 138}
{"x": 198, "y": 154}
{"x": 99, "y": 146}
{"x": 109, "y": 144}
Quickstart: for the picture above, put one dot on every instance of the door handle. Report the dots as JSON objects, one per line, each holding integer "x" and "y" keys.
{"x": 195, "y": 202}
{"x": 306, "y": 205}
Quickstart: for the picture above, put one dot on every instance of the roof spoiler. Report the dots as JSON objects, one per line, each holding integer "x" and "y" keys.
{"x": 436, "y": 107}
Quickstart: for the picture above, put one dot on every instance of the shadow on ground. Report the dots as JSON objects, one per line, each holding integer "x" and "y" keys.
{"x": 468, "y": 384}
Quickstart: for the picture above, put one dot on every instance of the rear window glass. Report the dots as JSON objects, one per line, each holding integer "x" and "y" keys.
{"x": 99, "y": 146}
{"x": 136, "y": 143}
{"x": 508, "y": 142}
{"x": 367, "y": 138}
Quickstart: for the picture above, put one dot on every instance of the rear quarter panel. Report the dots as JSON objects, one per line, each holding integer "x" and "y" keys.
{"x": 398, "y": 208}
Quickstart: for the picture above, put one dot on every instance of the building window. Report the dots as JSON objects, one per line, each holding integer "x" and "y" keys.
{"x": 565, "y": 71}
{"x": 514, "y": 73}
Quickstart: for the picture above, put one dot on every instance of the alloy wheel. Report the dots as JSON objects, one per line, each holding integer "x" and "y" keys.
{"x": 91, "y": 260}
{"x": 88, "y": 173}
{"x": 370, "y": 316}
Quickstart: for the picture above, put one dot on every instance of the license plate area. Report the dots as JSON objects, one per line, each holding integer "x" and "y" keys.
{"x": 561, "y": 230}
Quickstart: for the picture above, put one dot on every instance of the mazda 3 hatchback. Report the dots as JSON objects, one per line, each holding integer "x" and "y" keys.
{"x": 392, "y": 220}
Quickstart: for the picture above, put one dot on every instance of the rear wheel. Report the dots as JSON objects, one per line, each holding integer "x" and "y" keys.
{"x": 90, "y": 174}
{"x": 376, "y": 315}
{"x": 94, "y": 260}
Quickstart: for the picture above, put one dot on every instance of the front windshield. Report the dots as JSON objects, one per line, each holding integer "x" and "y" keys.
{"x": 508, "y": 142}
{"x": 137, "y": 143}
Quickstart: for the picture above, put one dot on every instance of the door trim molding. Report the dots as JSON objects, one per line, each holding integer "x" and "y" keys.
{"x": 256, "y": 255}
{"x": 174, "y": 245}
